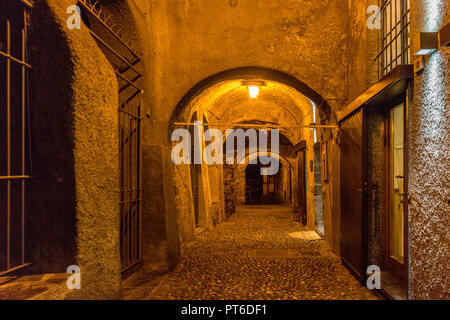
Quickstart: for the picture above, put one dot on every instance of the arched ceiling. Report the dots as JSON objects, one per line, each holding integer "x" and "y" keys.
{"x": 229, "y": 102}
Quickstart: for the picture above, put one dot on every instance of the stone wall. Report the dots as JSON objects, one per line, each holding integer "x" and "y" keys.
{"x": 429, "y": 162}
{"x": 240, "y": 184}
{"x": 429, "y": 140}
{"x": 74, "y": 196}
{"x": 377, "y": 185}
{"x": 230, "y": 190}
{"x": 276, "y": 35}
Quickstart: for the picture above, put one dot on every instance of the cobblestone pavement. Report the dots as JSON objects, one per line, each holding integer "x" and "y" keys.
{"x": 33, "y": 287}
{"x": 251, "y": 256}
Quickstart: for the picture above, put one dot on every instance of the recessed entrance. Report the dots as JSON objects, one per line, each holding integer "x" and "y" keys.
{"x": 263, "y": 189}
{"x": 396, "y": 251}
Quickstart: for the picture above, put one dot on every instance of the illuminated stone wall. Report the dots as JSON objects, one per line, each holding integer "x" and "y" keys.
{"x": 324, "y": 44}
{"x": 74, "y": 195}
{"x": 429, "y": 145}
{"x": 429, "y": 160}
{"x": 188, "y": 41}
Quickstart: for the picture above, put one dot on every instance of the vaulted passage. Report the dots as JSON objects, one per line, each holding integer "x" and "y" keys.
{"x": 258, "y": 120}
{"x": 251, "y": 256}
{"x": 233, "y": 149}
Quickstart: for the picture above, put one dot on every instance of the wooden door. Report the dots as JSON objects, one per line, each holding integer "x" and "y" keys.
{"x": 353, "y": 194}
{"x": 196, "y": 171}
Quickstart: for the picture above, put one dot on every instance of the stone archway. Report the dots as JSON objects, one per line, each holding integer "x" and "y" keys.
{"x": 239, "y": 183}
{"x": 223, "y": 99}
{"x": 325, "y": 112}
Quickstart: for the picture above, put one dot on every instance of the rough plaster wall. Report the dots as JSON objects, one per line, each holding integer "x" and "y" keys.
{"x": 240, "y": 184}
{"x": 272, "y": 34}
{"x": 171, "y": 213}
{"x": 125, "y": 16}
{"x": 51, "y": 194}
{"x": 95, "y": 157}
{"x": 362, "y": 49}
{"x": 185, "y": 202}
{"x": 372, "y": 43}
{"x": 429, "y": 162}
{"x": 161, "y": 229}
{"x": 154, "y": 232}
{"x": 377, "y": 185}
{"x": 357, "y": 50}
{"x": 229, "y": 189}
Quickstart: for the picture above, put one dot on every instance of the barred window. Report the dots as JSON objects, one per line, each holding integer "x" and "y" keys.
{"x": 14, "y": 133}
{"x": 395, "y": 43}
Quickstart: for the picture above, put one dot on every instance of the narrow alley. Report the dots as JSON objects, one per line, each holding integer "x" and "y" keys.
{"x": 224, "y": 150}
{"x": 251, "y": 257}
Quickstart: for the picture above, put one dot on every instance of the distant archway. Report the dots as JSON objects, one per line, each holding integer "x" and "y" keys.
{"x": 285, "y": 196}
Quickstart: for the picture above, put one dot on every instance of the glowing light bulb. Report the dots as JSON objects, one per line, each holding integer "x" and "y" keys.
{"x": 254, "y": 91}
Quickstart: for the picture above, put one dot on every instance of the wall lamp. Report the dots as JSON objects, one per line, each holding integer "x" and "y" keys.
{"x": 254, "y": 87}
{"x": 426, "y": 43}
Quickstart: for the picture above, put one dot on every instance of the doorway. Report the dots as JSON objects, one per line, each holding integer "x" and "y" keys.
{"x": 374, "y": 181}
{"x": 397, "y": 188}
{"x": 254, "y": 184}
{"x": 263, "y": 189}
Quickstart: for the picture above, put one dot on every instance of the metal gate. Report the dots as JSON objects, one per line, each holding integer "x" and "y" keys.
{"x": 14, "y": 133}
{"x": 131, "y": 181}
{"x": 125, "y": 62}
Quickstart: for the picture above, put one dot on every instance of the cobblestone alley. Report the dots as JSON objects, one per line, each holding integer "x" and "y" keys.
{"x": 252, "y": 256}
